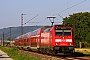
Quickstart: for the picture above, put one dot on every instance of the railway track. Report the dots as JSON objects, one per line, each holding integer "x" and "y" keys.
{"x": 76, "y": 56}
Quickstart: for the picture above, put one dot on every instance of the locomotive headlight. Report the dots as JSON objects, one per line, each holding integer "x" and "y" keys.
{"x": 57, "y": 40}
{"x": 56, "y": 44}
{"x": 70, "y": 44}
{"x": 68, "y": 40}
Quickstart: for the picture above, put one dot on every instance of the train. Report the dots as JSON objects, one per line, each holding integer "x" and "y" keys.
{"x": 48, "y": 40}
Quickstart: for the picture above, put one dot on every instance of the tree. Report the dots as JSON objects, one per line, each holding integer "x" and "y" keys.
{"x": 8, "y": 39}
{"x": 80, "y": 23}
{"x": 87, "y": 39}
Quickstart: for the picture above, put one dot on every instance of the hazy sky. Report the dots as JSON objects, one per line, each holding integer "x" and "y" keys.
{"x": 11, "y": 10}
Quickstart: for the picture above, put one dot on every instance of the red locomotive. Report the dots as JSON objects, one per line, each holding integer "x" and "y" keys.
{"x": 50, "y": 40}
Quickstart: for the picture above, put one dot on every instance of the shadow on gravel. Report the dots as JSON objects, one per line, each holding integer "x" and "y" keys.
{"x": 76, "y": 54}
{"x": 79, "y": 54}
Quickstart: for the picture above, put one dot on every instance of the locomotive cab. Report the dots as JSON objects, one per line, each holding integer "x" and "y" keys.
{"x": 62, "y": 39}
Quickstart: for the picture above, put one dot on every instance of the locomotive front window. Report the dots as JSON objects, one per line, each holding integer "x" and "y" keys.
{"x": 59, "y": 32}
{"x": 67, "y": 33}
{"x": 63, "y": 31}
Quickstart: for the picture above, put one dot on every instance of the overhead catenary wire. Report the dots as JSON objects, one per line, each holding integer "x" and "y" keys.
{"x": 71, "y": 6}
{"x": 54, "y": 9}
{"x": 56, "y": 13}
{"x": 60, "y": 16}
{"x": 37, "y": 15}
{"x": 68, "y": 8}
{"x": 41, "y": 21}
{"x": 58, "y": 7}
{"x": 30, "y": 19}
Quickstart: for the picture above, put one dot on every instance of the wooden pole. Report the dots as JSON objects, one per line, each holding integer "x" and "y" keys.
{"x": 3, "y": 39}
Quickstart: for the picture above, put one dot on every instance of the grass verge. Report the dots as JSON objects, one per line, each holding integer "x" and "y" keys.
{"x": 85, "y": 51}
{"x": 15, "y": 54}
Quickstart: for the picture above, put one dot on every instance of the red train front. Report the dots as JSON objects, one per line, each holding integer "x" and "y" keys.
{"x": 64, "y": 39}
{"x": 58, "y": 39}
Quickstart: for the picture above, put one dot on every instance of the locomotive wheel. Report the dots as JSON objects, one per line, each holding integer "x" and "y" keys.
{"x": 73, "y": 51}
{"x": 48, "y": 52}
{"x": 45, "y": 51}
{"x": 38, "y": 50}
{"x": 41, "y": 50}
{"x": 53, "y": 53}
{"x": 30, "y": 50}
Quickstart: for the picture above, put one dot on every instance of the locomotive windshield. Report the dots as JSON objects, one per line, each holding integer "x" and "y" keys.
{"x": 63, "y": 31}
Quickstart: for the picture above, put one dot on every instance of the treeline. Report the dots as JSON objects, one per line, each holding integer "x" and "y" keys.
{"x": 80, "y": 22}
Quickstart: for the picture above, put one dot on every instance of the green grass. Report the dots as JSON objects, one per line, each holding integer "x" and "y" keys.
{"x": 15, "y": 54}
{"x": 85, "y": 51}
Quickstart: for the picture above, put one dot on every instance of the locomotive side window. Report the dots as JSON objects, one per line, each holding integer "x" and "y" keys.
{"x": 63, "y": 31}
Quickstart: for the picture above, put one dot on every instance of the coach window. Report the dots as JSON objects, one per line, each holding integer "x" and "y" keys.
{"x": 46, "y": 30}
{"x": 27, "y": 39}
{"x": 21, "y": 40}
{"x": 19, "y": 44}
{"x": 24, "y": 44}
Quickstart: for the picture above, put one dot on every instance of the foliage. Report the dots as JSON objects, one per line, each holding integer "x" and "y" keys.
{"x": 85, "y": 44}
{"x": 15, "y": 54}
{"x": 87, "y": 39}
{"x": 80, "y": 23}
{"x": 8, "y": 38}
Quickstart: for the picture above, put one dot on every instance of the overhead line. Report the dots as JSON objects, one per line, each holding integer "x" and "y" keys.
{"x": 68, "y": 8}
{"x": 31, "y": 19}
{"x": 71, "y": 7}
{"x": 54, "y": 9}
{"x": 58, "y": 7}
{"x": 57, "y": 13}
{"x": 41, "y": 21}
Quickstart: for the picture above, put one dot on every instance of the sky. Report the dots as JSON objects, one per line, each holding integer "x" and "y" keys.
{"x": 37, "y": 11}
